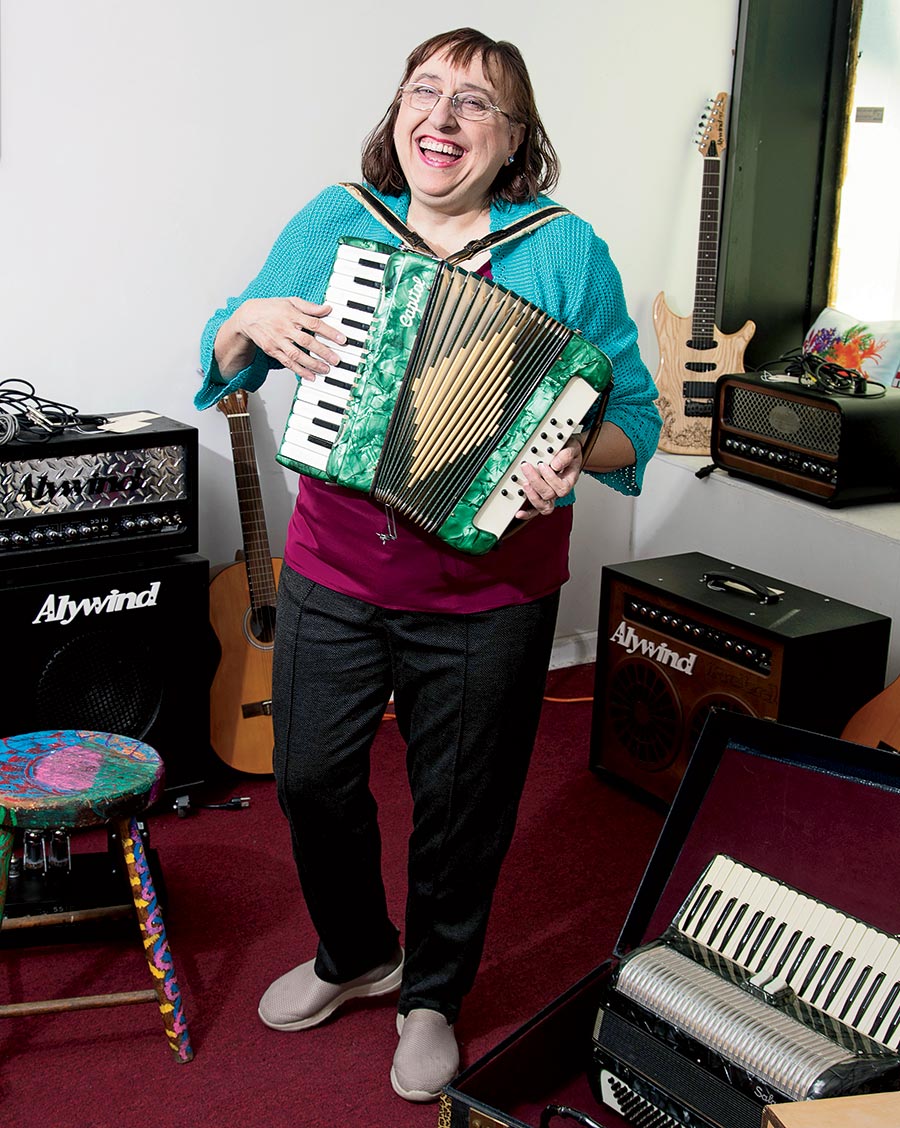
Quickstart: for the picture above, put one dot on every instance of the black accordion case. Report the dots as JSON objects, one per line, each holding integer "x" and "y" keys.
{"x": 817, "y": 814}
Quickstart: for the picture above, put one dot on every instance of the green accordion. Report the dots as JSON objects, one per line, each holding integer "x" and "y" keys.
{"x": 447, "y": 382}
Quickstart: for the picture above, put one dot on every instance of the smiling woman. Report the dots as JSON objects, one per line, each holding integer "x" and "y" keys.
{"x": 450, "y": 159}
{"x": 465, "y": 105}
{"x": 369, "y": 605}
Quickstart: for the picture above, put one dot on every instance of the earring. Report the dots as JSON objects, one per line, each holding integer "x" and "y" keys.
{"x": 510, "y": 159}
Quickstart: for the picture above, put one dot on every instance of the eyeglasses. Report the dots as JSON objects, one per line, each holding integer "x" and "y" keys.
{"x": 468, "y": 106}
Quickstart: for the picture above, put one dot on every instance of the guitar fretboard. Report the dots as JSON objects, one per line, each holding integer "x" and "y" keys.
{"x": 257, "y": 553}
{"x": 704, "y": 314}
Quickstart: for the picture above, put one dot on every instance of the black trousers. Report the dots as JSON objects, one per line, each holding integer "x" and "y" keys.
{"x": 467, "y": 695}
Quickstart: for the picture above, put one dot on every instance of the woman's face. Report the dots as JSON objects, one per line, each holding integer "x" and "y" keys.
{"x": 450, "y": 163}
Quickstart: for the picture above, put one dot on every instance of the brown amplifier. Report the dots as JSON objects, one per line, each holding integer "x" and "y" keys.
{"x": 832, "y": 449}
{"x": 682, "y": 635}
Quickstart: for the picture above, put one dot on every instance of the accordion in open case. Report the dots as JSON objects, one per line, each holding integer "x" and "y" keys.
{"x": 759, "y": 962}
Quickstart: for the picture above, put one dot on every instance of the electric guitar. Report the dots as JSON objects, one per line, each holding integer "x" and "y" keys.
{"x": 242, "y": 613}
{"x": 693, "y": 353}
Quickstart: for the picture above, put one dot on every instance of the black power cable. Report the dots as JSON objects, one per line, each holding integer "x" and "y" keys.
{"x": 27, "y": 417}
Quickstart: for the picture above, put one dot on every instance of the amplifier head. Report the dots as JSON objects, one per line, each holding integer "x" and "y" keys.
{"x": 91, "y": 493}
{"x": 831, "y": 449}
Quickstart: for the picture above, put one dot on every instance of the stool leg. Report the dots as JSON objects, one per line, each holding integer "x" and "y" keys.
{"x": 156, "y": 944}
{"x": 6, "y": 849}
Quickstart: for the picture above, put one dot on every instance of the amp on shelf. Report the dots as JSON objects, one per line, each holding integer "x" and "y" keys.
{"x": 835, "y": 450}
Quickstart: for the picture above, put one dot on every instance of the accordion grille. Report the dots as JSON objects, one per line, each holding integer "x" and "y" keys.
{"x": 478, "y": 357}
{"x": 718, "y": 1014}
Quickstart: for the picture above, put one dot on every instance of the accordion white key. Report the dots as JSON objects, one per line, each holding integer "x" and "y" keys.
{"x": 447, "y": 383}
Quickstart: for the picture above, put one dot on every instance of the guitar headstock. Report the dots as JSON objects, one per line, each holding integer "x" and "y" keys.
{"x": 711, "y": 130}
{"x": 235, "y": 403}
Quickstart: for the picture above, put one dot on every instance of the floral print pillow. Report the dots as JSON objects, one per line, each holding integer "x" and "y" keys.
{"x": 872, "y": 348}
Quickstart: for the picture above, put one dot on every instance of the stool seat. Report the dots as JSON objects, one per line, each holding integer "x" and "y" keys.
{"x": 61, "y": 780}
{"x": 75, "y": 778}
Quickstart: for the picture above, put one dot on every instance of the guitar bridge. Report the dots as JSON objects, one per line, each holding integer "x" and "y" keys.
{"x": 257, "y": 709}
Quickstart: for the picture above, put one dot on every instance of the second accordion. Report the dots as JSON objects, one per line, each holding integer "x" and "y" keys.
{"x": 447, "y": 382}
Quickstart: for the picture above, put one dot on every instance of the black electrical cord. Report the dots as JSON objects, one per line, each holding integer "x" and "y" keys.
{"x": 813, "y": 370}
{"x": 182, "y": 805}
{"x": 28, "y": 417}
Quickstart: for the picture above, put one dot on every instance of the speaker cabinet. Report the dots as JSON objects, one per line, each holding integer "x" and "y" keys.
{"x": 116, "y": 649}
{"x": 682, "y": 635}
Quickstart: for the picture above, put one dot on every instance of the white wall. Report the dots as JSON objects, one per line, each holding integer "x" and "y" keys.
{"x": 149, "y": 154}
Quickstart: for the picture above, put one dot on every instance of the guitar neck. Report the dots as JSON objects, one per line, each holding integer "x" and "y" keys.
{"x": 257, "y": 553}
{"x": 704, "y": 315}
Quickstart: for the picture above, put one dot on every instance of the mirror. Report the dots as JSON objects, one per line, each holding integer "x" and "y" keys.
{"x": 865, "y": 279}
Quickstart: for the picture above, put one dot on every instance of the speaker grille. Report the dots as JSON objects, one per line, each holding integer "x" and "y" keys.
{"x": 98, "y": 681}
{"x": 799, "y": 423}
{"x": 645, "y": 715}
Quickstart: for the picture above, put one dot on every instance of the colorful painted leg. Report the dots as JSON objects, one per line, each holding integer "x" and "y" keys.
{"x": 156, "y": 944}
{"x": 6, "y": 848}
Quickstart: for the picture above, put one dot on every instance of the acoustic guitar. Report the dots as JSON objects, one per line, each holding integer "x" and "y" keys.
{"x": 242, "y": 613}
{"x": 693, "y": 352}
{"x": 877, "y": 723}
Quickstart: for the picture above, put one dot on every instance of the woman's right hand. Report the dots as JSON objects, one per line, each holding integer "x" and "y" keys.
{"x": 290, "y": 330}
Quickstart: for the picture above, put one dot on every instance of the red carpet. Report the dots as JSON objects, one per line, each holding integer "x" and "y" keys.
{"x": 235, "y": 922}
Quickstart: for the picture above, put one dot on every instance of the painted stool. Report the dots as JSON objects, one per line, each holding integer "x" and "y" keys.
{"x": 69, "y": 779}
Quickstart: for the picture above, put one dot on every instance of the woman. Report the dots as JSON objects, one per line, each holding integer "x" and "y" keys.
{"x": 463, "y": 642}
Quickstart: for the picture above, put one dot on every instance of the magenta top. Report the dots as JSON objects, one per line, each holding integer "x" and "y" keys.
{"x": 333, "y": 539}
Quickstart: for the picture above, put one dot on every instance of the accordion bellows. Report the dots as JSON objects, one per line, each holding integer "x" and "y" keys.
{"x": 456, "y": 380}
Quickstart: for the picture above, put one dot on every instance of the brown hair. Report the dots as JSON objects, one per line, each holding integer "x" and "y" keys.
{"x": 535, "y": 165}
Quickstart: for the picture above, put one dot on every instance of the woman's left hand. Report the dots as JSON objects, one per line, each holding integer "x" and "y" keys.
{"x": 547, "y": 481}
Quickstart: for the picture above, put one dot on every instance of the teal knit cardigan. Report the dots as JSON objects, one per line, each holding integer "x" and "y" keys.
{"x": 563, "y": 267}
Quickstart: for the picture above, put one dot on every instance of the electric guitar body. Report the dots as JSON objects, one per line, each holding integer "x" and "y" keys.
{"x": 693, "y": 352}
{"x": 242, "y": 614}
{"x": 687, "y": 375}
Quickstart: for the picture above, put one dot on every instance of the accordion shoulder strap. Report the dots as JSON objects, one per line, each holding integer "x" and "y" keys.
{"x": 416, "y": 243}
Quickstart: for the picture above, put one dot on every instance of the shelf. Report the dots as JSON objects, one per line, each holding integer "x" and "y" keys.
{"x": 851, "y": 554}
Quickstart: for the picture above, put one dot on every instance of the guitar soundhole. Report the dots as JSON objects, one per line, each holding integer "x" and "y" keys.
{"x": 259, "y": 626}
